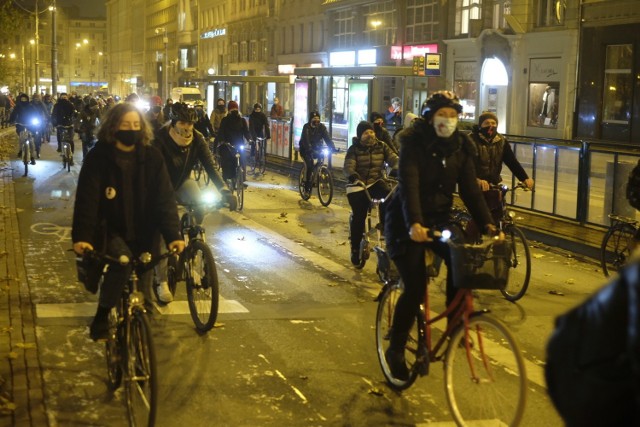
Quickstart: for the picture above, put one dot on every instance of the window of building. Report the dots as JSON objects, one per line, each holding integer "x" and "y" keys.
{"x": 548, "y": 13}
{"x": 466, "y": 10}
{"x": 501, "y": 8}
{"x": 253, "y": 51}
{"x": 262, "y": 52}
{"x": 234, "y": 53}
{"x": 618, "y": 84}
{"x": 244, "y": 51}
{"x": 344, "y": 32}
{"x": 380, "y": 23}
{"x": 465, "y": 85}
{"x": 422, "y": 21}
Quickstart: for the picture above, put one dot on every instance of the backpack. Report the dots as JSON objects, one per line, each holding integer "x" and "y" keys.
{"x": 593, "y": 357}
{"x": 633, "y": 187}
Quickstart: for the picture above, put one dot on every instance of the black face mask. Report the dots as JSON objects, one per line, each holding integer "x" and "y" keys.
{"x": 488, "y": 132}
{"x": 129, "y": 137}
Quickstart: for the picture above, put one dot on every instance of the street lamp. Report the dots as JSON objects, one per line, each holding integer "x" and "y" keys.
{"x": 54, "y": 51}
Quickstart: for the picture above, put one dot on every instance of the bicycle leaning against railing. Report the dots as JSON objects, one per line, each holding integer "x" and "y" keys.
{"x": 618, "y": 243}
{"x": 129, "y": 351}
{"x": 484, "y": 371}
{"x": 321, "y": 177}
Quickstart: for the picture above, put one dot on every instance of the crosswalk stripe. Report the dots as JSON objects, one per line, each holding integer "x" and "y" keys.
{"x": 88, "y": 309}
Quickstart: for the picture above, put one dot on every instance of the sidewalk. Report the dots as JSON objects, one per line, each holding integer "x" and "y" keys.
{"x": 21, "y": 386}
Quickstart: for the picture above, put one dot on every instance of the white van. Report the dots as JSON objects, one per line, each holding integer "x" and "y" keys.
{"x": 188, "y": 95}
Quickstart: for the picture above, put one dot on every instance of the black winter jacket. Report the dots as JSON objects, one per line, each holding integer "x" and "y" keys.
{"x": 491, "y": 154}
{"x": 181, "y": 160}
{"x": 311, "y": 138}
{"x": 63, "y": 112}
{"x": 259, "y": 125}
{"x": 366, "y": 163}
{"x": 429, "y": 169}
{"x": 233, "y": 129}
{"x": 100, "y": 208}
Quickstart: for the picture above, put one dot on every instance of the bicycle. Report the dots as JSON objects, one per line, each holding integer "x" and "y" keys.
{"x": 67, "y": 140}
{"x": 618, "y": 243}
{"x": 197, "y": 268}
{"x": 520, "y": 260}
{"x": 369, "y": 227}
{"x": 198, "y": 172}
{"x": 484, "y": 372}
{"x": 27, "y": 144}
{"x": 237, "y": 185}
{"x": 259, "y": 160}
{"x": 130, "y": 354}
{"x": 321, "y": 177}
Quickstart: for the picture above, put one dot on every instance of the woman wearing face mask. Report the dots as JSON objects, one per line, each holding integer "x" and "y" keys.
{"x": 124, "y": 196}
{"x": 434, "y": 158}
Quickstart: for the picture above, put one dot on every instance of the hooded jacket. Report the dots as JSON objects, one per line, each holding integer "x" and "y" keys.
{"x": 429, "y": 169}
{"x": 233, "y": 129}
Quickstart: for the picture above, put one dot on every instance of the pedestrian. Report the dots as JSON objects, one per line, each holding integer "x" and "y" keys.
{"x": 277, "y": 112}
{"x": 124, "y": 196}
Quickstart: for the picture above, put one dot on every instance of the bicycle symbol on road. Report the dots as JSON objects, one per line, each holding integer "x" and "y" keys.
{"x": 47, "y": 228}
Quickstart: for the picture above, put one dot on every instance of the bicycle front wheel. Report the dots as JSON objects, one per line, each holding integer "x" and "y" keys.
{"x": 141, "y": 382}
{"x": 202, "y": 286}
{"x": 325, "y": 186}
{"x": 262, "y": 158}
{"x": 301, "y": 180}
{"x": 240, "y": 187}
{"x": 519, "y": 263}
{"x": 484, "y": 374}
{"x": 616, "y": 248}
{"x": 384, "y": 320}
{"x": 113, "y": 351}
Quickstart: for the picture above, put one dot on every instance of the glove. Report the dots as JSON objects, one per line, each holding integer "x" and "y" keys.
{"x": 230, "y": 199}
{"x": 393, "y": 173}
{"x": 491, "y": 230}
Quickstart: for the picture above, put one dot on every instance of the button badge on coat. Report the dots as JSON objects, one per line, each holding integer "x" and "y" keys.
{"x": 110, "y": 193}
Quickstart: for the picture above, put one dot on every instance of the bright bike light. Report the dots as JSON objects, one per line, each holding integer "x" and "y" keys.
{"x": 35, "y": 121}
{"x": 209, "y": 197}
{"x": 446, "y": 235}
{"x": 325, "y": 151}
{"x": 241, "y": 148}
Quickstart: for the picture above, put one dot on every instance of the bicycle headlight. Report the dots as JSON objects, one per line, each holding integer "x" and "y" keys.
{"x": 241, "y": 148}
{"x": 325, "y": 151}
{"x": 511, "y": 214}
{"x": 446, "y": 235}
{"x": 35, "y": 121}
{"x": 209, "y": 197}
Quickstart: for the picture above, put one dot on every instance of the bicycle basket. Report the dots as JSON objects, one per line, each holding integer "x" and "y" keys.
{"x": 482, "y": 266}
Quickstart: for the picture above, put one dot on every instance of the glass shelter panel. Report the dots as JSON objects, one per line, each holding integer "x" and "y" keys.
{"x": 545, "y": 183}
{"x": 567, "y": 182}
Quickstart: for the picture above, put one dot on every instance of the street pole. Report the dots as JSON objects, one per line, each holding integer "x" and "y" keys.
{"x": 54, "y": 52}
{"x": 24, "y": 76}
{"x": 165, "y": 71}
{"x": 37, "y": 49}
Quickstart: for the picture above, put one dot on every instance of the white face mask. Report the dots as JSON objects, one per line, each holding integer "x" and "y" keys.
{"x": 444, "y": 126}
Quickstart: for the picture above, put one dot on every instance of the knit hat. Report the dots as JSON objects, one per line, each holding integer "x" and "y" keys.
{"x": 362, "y": 126}
{"x": 314, "y": 114}
{"x": 487, "y": 115}
{"x": 232, "y": 105}
{"x": 375, "y": 116}
{"x": 409, "y": 118}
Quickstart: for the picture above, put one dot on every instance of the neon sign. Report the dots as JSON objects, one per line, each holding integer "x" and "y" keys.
{"x": 214, "y": 33}
{"x": 411, "y": 51}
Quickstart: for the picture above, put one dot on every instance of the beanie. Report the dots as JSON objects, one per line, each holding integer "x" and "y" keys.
{"x": 362, "y": 126}
{"x": 487, "y": 115}
{"x": 232, "y": 105}
{"x": 375, "y": 116}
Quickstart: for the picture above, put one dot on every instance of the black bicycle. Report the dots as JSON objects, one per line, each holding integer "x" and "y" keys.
{"x": 259, "y": 159}
{"x": 129, "y": 347}
{"x": 67, "y": 153}
{"x": 237, "y": 185}
{"x": 27, "y": 139}
{"x": 197, "y": 268}
{"x": 321, "y": 177}
{"x": 618, "y": 243}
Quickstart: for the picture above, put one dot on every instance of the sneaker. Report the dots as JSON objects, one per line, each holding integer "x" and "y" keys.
{"x": 33, "y": 161}
{"x": 397, "y": 364}
{"x": 99, "y": 329}
{"x": 355, "y": 257}
{"x": 164, "y": 293}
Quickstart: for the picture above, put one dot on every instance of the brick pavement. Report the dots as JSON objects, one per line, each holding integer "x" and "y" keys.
{"x": 21, "y": 389}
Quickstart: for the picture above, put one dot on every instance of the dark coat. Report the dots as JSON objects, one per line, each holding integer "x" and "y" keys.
{"x": 181, "y": 160}
{"x": 23, "y": 113}
{"x": 311, "y": 138}
{"x": 366, "y": 163}
{"x": 100, "y": 209}
{"x": 233, "y": 129}
{"x": 429, "y": 169}
{"x": 63, "y": 112}
{"x": 203, "y": 125}
{"x": 259, "y": 125}
{"x": 491, "y": 155}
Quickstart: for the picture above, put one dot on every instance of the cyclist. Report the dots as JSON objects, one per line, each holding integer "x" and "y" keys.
{"x": 203, "y": 125}
{"x": 381, "y": 131}
{"x": 313, "y": 135}
{"x": 434, "y": 158}
{"x": 493, "y": 150}
{"x": 364, "y": 164}
{"x": 43, "y": 116}
{"x": 23, "y": 113}
{"x": 258, "y": 125}
{"x": 182, "y": 147}
{"x": 89, "y": 121}
{"x": 218, "y": 114}
{"x": 124, "y": 197}
{"x": 233, "y": 130}
{"x": 62, "y": 115}
{"x": 48, "y": 104}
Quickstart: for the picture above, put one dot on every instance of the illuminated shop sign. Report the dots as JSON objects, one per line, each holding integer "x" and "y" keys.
{"x": 214, "y": 33}
{"x": 348, "y": 58}
{"x": 411, "y": 51}
{"x": 286, "y": 68}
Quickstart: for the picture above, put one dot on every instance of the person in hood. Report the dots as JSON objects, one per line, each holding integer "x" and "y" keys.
{"x": 314, "y": 136}
{"x": 89, "y": 121}
{"x": 218, "y": 113}
{"x": 62, "y": 115}
{"x": 364, "y": 166}
{"x": 203, "y": 124}
{"x": 435, "y": 158}
{"x": 258, "y": 125}
{"x": 22, "y": 115}
{"x": 382, "y": 134}
{"x": 235, "y": 132}
{"x": 124, "y": 196}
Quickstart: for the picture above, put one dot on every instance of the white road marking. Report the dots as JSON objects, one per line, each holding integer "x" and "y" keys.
{"x": 88, "y": 309}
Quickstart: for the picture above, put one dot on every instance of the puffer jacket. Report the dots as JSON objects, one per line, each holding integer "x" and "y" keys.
{"x": 233, "y": 129}
{"x": 366, "y": 162}
{"x": 491, "y": 155}
{"x": 429, "y": 170}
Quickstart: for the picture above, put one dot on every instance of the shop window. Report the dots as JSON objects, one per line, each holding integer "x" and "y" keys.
{"x": 618, "y": 84}
{"x": 543, "y": 104}
{"x": 465, "y": 87}
{"x": 466, "y": 10}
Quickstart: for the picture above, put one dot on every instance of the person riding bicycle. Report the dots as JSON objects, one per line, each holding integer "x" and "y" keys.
{"x": 493, "y": 150}
{"x": 313, "y": 135}
{"x": 124, "y": 196}
{"x": 62, "y": 115}
{"x": 182, "y": 146}
{"x": 364, "y": 164}
{"x": 23, "y": 114}
{"x": 258, "y": 125}
{"x": 89, "y": 121}
{"x": 218, "y": 114}
{"x": 377, "y": 120}
{"x": 233, "y": 130}
{"x": 203, "y": 125}
{"x": 434, "y": 158}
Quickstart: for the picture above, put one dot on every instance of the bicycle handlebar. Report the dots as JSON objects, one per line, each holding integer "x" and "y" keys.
{"x": 145, "y": 258}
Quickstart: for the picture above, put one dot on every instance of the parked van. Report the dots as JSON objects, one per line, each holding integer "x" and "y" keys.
{"x": 188, "y": 95}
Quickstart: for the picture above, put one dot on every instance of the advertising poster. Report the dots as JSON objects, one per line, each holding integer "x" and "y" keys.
{"x": 301, "y": 111}
{"x": 358, "y": 106}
